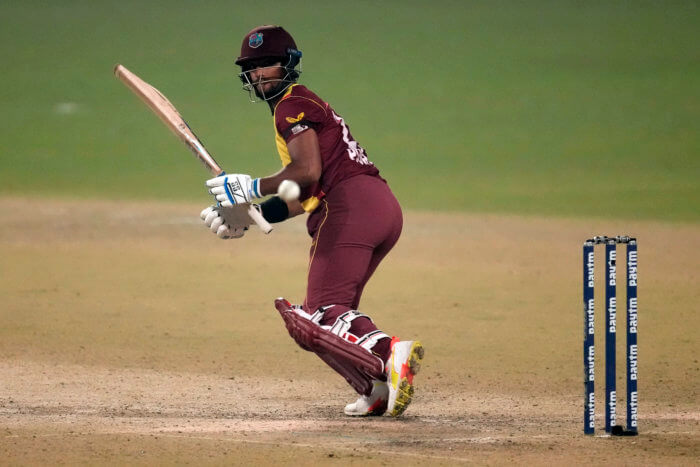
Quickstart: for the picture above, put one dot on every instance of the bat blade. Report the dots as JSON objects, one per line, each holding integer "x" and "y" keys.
{"x": 166, "y": 111}
{"x": 169, "y": 115}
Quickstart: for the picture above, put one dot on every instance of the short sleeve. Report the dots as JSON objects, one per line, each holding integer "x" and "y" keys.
{"x": 295, "y": 114}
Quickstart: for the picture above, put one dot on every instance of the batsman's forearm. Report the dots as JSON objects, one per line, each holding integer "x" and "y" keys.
{"x": 295, "y": 208}
{"x": 305, "y": 166}
{"x": 299, "y": 173}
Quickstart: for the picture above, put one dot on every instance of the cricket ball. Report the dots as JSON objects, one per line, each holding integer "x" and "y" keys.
{"x": 288, "y": 190}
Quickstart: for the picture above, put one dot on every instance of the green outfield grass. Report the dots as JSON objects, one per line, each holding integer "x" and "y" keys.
{"x": 554, "y": 108}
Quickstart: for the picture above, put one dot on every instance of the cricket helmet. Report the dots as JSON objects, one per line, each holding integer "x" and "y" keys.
{"x": 268, "y": 42}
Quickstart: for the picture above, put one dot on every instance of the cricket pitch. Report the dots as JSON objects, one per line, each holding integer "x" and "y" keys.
{"x": 132, "y": 335}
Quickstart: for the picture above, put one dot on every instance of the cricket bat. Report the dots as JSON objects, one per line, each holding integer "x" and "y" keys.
{"x": 166, "y": 111}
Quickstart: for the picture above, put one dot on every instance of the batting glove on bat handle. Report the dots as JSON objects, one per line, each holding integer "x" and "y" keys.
{"x": 232, "y": 189}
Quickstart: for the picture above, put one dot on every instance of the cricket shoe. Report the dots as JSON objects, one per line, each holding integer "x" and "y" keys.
{"x": 372, "y": 405}
{"x": 402, "y": 366}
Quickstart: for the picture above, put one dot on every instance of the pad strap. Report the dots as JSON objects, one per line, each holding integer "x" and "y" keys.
{"x": 369, "y": 340}
{"x": 344, "y": 322}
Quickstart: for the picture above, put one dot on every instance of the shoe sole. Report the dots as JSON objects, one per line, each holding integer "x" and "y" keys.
{"x": 377, "y": 410}
{"x": 372, "y": 413}
{"x": 405, "y": 390}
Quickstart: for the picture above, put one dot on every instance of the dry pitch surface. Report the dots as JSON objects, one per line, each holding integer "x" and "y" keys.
{"x": 132, "y": 335}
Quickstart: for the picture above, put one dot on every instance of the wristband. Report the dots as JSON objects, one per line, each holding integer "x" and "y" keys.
{"x": 255, "y": 188}
{"x": 274, "y": 210}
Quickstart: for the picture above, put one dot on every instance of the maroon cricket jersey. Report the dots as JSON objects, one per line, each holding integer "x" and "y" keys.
{"x": 341, "y": 156}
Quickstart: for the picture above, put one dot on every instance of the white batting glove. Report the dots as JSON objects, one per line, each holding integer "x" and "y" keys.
{"x": 227, "y": 222}
{"x": 234, "y": 189}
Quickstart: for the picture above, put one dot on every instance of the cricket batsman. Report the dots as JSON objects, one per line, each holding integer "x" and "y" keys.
{"x": 354, "y": 220}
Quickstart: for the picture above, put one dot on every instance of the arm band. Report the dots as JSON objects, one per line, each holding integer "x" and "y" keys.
{"x": 274, "y": 210}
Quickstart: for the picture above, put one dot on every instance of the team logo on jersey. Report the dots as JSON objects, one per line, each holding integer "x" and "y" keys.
{"x": 255, "y": 40}
{"x": 294, "y": 120}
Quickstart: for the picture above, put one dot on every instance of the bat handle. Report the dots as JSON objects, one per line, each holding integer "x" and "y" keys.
{"x": 259, "y": 219}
